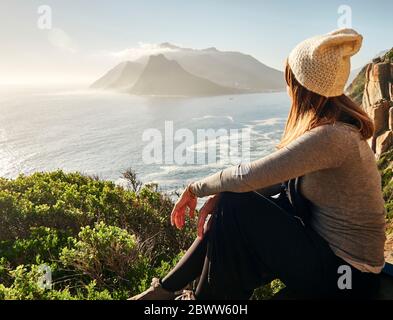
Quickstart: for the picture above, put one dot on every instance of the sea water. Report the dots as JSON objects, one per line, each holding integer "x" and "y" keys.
{"x": 100, "y": 133}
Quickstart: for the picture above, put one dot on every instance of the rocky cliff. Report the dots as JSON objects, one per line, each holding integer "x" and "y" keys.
{"x": 373, "y": 88}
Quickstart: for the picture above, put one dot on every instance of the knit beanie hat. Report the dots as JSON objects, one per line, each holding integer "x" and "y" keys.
{"x": 322, "y": 64}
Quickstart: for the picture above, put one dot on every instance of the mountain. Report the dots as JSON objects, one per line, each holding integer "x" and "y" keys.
{"x": 226, "y": 68}
{"x": 122, "y": 76}
{"x": 223, "y": 68}
{"x": 162, "y": 76}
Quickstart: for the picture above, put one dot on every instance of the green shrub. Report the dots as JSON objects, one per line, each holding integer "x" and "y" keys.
{"x": 26, "y": 286}
{"x": 106, "y": 254}
{"x": 42, "y": 243}
{"x": 99, "y": 239}
{"x": 68, "y": 202}
{"x": 385, "y": 165}
{"x": 268, "y": 291}
{"x": 356, "y": 88}
{"x": 389, "y": 56}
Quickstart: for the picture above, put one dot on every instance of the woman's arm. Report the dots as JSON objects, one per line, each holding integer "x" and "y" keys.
{"x": 320, "y": 148}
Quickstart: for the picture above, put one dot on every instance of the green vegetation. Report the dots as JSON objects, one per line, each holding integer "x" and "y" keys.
{"x": 356, "y": 88}
{"x": 100, "y": 240}
{"x": 385, "y": 165}
{"x": 388, "y": 56}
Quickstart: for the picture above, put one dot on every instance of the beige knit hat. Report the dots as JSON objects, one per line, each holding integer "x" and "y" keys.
{"x": 322, "y": 63}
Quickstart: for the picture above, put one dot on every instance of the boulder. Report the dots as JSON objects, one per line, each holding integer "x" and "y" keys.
{"x": 383, "y": 142}
{"x": 377, "y": 101}
{"x": 379, "y": 112}
{"x": 377, "y": 84}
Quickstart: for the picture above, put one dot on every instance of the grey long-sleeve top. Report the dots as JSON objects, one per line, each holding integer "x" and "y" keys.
{"x": 341, "y": 180}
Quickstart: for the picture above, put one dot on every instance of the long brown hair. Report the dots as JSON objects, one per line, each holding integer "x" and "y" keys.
{"x": 310, "y": 110}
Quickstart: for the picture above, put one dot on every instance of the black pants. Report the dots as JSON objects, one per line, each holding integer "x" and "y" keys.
{"x": 254, "y": 239}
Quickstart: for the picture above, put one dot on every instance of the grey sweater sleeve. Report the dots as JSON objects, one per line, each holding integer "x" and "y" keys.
{"x": 320, "y": 148}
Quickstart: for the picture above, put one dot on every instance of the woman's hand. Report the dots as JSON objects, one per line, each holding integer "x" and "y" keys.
{"x": 186, "y": 201}
{"x": 208, "y": 208}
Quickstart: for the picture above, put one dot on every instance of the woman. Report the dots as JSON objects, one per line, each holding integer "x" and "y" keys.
{"x": 253, "y": 238}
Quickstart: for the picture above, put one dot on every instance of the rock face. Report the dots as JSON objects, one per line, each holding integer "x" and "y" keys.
{"x": 377, "y": 100}
{"x": 373, "y": 87}
{"x": 378, "y": 82}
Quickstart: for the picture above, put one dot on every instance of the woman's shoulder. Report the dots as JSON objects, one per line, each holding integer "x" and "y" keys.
{"x": 338, "y": 133}
{"x": 337, "y": 129}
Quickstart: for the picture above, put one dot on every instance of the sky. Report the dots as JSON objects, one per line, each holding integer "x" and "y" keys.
{"x": 86, "y": 38}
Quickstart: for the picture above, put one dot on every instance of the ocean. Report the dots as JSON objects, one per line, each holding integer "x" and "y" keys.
{"x": 102, "y": 133}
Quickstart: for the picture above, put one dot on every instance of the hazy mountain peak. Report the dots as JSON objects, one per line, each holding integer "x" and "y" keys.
{"x": 121, "y": 76}
{"x": 157, "y": 58}
{"x": 161, "y": 63}
{"x": 163, "y": 76}
{"x": 238, "y": 71}
{"x": 211, "y": 49}
{"x": 168, "y": 45}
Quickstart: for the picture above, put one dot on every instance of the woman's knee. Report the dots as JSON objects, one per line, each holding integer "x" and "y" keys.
{"x": 233, "y": 198}
{"x": 239, "y": 204}
{"x": 244, "y": 200}
{"x": 251, "y": 209}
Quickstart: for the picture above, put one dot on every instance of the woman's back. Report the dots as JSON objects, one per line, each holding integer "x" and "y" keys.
{"x": 347, "y": 203}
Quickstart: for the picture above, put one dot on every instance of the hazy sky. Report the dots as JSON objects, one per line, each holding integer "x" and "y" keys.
{"x": 88, "y": 37}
